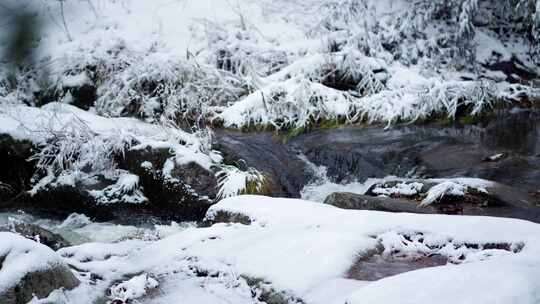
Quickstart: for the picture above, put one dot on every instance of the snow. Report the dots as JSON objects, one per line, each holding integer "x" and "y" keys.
{"x": 133, "y": 288}
{"x": 74, "y": 81}
{"x": 20, "y": 257}
{"x": 466, "y": 283}
{"x": 445, "y": 188}
{"x": 126, "y": 189}
{"x": 400, "y": 189}
{"x": 275, "y": 46}
{"x": 322, "y": 186}
{"x": 303, "y": 250}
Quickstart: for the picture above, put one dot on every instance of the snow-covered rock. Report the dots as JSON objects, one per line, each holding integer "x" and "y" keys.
{"x": 80, "y": 160}
{"x": 299, "y": 251}
{"x": 465, "y": 196}
{"x": 29, "y": 269}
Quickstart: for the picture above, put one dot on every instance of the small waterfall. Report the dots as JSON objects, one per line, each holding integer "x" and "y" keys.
{"x": 320, "y": 186}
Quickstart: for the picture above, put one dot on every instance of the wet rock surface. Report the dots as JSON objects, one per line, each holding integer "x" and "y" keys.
{"x": 354, "y": 153}
{"x": 397, "y": 253}
{"x": 266, "y": 153}
{"x": 354, "y": 201}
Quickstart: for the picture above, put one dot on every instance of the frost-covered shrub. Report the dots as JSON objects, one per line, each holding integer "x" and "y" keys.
{"x": 437, "y": 98}
{"x": 76, "y": 148}
{"x": 180, "y": 90}
{"x": 150, "y": 85}
{"x": 349, "y": 71}
{"x": 233, "y": 181}
{"x": 294, "y": 103}
{"x": 240, "y": 48}
{"x": 74, "y": 153}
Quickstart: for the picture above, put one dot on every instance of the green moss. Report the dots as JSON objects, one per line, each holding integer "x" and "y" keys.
{"x": 469, "y": 119}
{"x": 321, "y": 124}
{"x": 262, "y": 186}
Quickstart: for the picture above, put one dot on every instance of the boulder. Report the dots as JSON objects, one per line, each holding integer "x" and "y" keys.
{"x": 38, "y": 234}
{"x": 346, "y": 200}
{"x": 184, "y": 193}
{"x": 29, "y": 269}
{"x": 285, "y": 171}
{"x": 500, "y": 201}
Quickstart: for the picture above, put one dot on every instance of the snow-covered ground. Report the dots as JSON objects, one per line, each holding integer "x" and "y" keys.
{"x": 302, "y": 250}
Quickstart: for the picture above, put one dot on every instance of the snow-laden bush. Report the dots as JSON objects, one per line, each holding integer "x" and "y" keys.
{"x": 74, "y": 147}
{"x": 294, "y": 103}
{"x": 79, "y": 148}
{"x": 149, "y": 84}
{"x": 436, "y": 98}
{"x": 179, "y": 90}
{"x": 233, "y": 181}
{"x": 298, "y": 103}
{"x": 240, "y": 48}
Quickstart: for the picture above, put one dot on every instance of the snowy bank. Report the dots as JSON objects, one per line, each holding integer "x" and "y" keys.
{"x": 300, "y": 250}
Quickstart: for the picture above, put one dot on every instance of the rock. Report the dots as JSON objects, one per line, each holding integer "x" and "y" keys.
{"x": 514, "y": 70}
{"x": 347, "y": 200}
{"x": 30, "y": 269}
{"x": 185, "y": 195}
{"x": 500, "y": 201}
{"x": 282, "y": 166}
{"x": 354, "y": 154}
{"x": 59, "y": 202}
{"x": 38, "y": 234}
{"x": 199, "y": 179}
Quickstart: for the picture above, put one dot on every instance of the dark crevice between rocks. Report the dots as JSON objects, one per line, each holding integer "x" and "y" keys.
{"x": 222, "y": 216}
{"x": 16, "y": 171}
{"x": 263, "y": 291}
